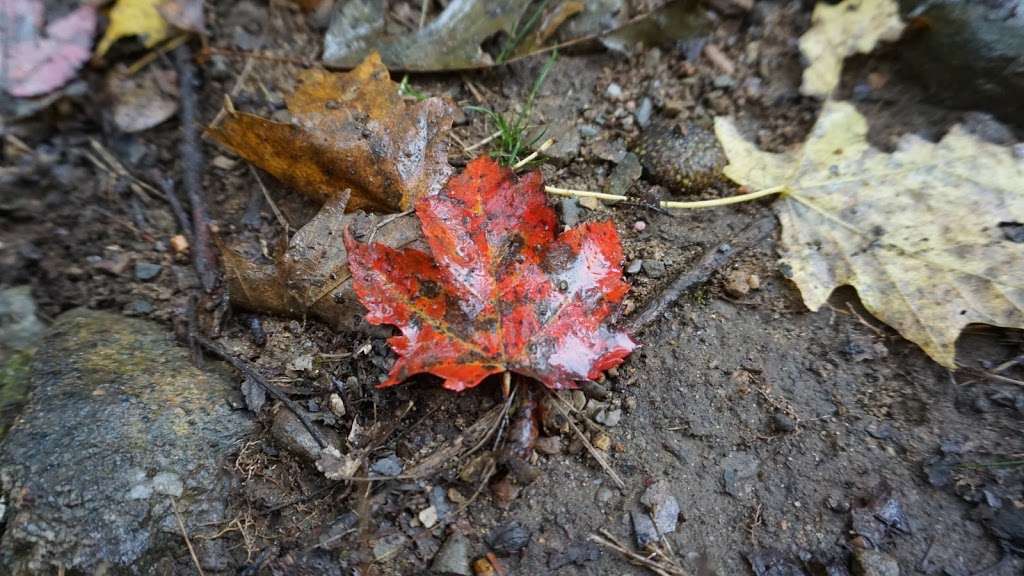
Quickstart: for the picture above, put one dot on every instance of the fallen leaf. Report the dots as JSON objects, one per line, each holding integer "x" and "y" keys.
{"x": 310, "y": 276}
{"x": 500, "y": 291}
{"x": 184, "y": 15}
{"x": 350, "y": 131}
{"x": 34, "y": 64}
{"x": 671, "y": 23}
{"x": 920, "y": 233}
{"x": 841, "y": 30}
{"x": 450, "y": 42}
{"x": 143, "y": 100}
{"x": 134, "y": 18}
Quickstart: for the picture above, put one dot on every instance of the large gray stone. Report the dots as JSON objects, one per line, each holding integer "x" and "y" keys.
{"x": 118, "y": 424}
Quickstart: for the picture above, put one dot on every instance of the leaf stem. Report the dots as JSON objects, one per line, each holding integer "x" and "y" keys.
{"x": 669, "y": 203}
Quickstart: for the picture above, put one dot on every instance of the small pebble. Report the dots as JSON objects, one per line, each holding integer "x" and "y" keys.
{"x": 388, "y": 466}
{"x": 483, "y": 567}
{"x": 634, "y": 266}
{"x": 654, "y": 268}
{"x": 643, "y": 113}
{"x": 337, "y": 405}
{"x": 639, "y": 226}
{"x": 783, "y": 423}
{"x": 428, "y": 517}
{"x": 613, "y": 92}
{"x": 146, "y": 271}
{"x": 602, "y": 441}
{"x": 548, "y": 445}
{"x": 179, "y": 244}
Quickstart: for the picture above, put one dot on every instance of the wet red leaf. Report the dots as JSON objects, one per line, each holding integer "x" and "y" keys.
{"x": 501, "y": 291}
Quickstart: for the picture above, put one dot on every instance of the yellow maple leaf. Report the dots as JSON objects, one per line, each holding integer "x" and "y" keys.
{"x": 841, "y": 30}
{"x": 928, "y": 235}
{"x": 134, "y": 18}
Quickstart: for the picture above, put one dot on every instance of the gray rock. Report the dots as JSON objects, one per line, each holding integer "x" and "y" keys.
{"x": 783, "y": 423}
{"x": 634, "y": 266}
{"x": 388, "y": 546}
{"x": 624, "y": 175}
{"x": 118, "y": 424}
{"x": 874, "y": 563}
{"x": 643, "y": 529}
{"x": 589, "y": 130}
{"x": 139, "y": 307}
{"x": 20, "y": 331}
{"x": 20, "y": 328}
{"x": 643, "y": 112}
{"x": 663, "y": 506}
{"x": 570, "y": 212}
{"x": 567, "y": 141}
{"x": 613, "y": 92}
{"x": 738, "y": 471}
{"x": 289, "y": 431}
{"x": 146, "y": 271}
{"x": 609, "y": 417}
{"x": 654, "y": 268}
{"x": 453, "y": 557}
{"x": 388, "y": 466}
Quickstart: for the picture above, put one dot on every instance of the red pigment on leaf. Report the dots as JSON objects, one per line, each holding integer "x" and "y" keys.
{"x": 501, "y": 291}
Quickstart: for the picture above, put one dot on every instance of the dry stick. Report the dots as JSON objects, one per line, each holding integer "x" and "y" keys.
{"x": 590, "y": 448}
{"x": 669, "y": 203}
{"x": 192, "y": 166}
{"x": 184, "y": 534}
{"x": 239, "y": 82}
{"x": 250, "y": 373}
{"x": 179, "y": 211}
{"x": 712, "y": 261}
{"x": 273, "y": 206}
{"x": 660, "y": 568}
{"x": 547, "y": 144}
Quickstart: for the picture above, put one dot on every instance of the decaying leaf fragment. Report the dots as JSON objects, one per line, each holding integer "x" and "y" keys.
{"x": 34, "y": 63}
{"x": 450, "y": 42}
{"x": 350, "y": 131}
{"x": 498, "y": 291}
{"x": 310, "y": 276}
{"x": 922, "y": 233}
{"x": 841, "y": 30}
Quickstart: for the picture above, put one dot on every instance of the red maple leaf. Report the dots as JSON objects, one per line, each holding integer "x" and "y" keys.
{"x": 501, "y": 291}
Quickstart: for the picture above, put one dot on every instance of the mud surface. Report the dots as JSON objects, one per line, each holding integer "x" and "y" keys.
{"x": 779, "y": 432}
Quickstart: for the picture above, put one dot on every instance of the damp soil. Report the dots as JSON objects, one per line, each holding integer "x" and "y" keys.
{"x": 772, "y": 425}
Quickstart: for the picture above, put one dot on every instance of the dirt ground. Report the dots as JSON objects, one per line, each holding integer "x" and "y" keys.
{"x": 774, "y": 427}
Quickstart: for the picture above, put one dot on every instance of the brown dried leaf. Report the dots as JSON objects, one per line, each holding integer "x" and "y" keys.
{"x": 310, "y": 277}
{"x": 350, "y": 131}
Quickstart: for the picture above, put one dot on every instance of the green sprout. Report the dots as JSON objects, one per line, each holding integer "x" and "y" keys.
{"x": 513, "y": 141}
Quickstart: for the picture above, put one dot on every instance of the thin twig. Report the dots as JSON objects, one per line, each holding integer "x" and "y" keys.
{"x": 484, "y": 142}
{"x": 590, "y": 448}
{"x": 249, "y": 372}
{"x": 155, "y": 53}
{"x": 424, "y": 9}
{"x": 273, "y": 206}
{"x": 711, "y": 262}
{"x": 184, "y": 534}
{"x": 669, "y": 203}
{"x": 192, "y": 167}
{"x": 1009, "y": 364}
{"x": 228, "y": 107}
{"x": 547, "y": 144}
{"x": 660, "y": 568}
{"x": 387, "y": 220}
{"x": 179, "y": 211}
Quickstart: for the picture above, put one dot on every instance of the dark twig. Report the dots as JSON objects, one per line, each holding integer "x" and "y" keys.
{"x": 179, "y": 211}
{"x": 250, "y": 373}
{"x": 711, "y": 262}
{"x": 192, "y": 168}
